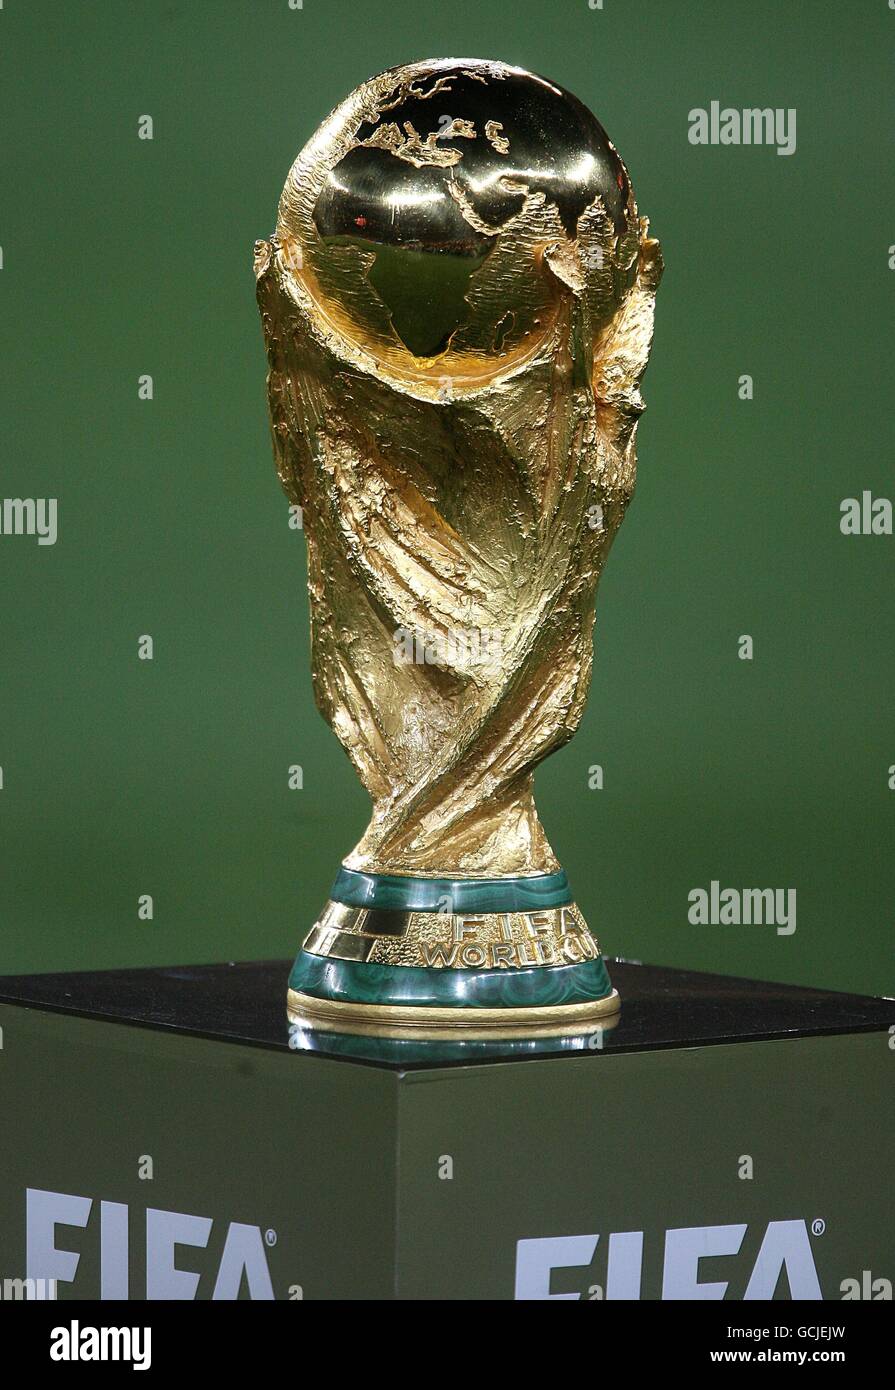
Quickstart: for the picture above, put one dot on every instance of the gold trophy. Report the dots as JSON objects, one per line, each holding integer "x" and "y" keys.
{"x": 457, "y": 307}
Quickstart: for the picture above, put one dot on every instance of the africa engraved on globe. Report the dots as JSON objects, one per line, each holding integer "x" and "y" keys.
{"x": 448, "y": 245}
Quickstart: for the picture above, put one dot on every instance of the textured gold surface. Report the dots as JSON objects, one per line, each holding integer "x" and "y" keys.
{"x": 548, "y": 937}
{"x": 388, "y": 1020}
{"x": 471, "y": 496}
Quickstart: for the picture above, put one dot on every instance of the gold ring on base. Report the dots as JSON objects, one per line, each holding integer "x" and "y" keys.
{"x": 445, "y": 1024}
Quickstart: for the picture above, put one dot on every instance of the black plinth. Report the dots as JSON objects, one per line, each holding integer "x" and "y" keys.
{"x": 245, "y": 1002}
{"x": 174, "y": 1138}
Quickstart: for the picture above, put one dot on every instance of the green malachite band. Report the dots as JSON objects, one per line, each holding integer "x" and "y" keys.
{"x": 457, "y": 895}
{"x": 360, "y": 982}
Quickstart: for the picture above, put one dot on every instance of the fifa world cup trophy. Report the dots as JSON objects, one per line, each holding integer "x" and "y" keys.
{"x": 457, "y": 306}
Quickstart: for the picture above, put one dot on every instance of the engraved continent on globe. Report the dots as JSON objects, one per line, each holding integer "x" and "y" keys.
{"x": 438, "y": 216}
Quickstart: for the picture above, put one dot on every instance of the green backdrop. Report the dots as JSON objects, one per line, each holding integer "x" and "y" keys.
{"x": 124, "y": 257}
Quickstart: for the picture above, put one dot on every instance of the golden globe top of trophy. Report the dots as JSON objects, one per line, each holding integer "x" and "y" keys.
{"x": 457, "y": 306}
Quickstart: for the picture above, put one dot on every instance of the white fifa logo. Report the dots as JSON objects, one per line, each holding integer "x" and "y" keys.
{"x": 786, "y": 1246}
{"x": 243, "y": 1256}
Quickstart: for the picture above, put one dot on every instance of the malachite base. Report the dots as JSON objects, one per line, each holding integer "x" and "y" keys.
{"x": 397, "y": 956}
